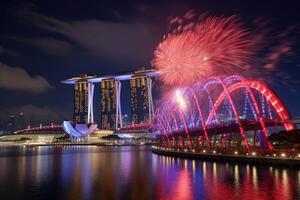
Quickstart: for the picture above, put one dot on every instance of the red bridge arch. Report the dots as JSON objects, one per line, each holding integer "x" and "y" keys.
{"x": 194, "y": 96}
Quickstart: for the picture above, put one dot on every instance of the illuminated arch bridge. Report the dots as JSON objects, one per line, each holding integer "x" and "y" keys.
{"x": 222, "y": 112}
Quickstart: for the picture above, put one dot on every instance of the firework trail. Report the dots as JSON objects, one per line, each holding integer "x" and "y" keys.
{"x": 195, "y": 51}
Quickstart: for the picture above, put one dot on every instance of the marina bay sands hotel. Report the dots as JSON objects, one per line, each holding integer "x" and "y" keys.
{"x": 110, "y": 96}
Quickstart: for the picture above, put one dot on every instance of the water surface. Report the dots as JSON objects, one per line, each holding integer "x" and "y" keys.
{"x": 135, "y": 173}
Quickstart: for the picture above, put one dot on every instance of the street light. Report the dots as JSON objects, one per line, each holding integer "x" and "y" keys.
{"x": 283, "y": 155}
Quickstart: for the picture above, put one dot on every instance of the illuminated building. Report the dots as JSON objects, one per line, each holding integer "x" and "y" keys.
{"x": 83, "y": 102}
{"x": 78, "y": 130}
{"x": 80, "y": 102}
{"x": 141, "y": 98}
{"x": 111, "y": 114}
{"x": 108, "y": 104}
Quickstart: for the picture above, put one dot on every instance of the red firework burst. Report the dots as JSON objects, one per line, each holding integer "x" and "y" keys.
{"x": 195, "y": 51}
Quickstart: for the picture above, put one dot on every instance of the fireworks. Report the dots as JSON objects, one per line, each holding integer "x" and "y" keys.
{"x": 196, "y": 51}
{"x": 180, "y": 99}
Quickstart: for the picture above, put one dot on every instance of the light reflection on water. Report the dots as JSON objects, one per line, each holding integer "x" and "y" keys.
{"x": 135, "y": 173}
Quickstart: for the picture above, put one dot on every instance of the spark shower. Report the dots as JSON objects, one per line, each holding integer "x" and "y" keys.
{"x": 194, "y": 51}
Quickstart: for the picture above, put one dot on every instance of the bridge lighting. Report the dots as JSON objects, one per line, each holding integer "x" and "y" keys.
{"x": 193, "y": 150}
{"x": 298, "y": 155}
{"x": 283, "y": 155}
{"x": 274, "y": 103}
{"x": 185, "y": 150}
{"x": 214, "y": 151}
{"x": 211, "y": 104}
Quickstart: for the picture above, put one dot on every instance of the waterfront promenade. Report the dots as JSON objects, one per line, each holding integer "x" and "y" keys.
{"x": 288, "y": 158}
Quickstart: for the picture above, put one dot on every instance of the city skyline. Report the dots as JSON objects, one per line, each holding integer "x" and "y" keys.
{"x": 55, "y": 54}
{"x": 137, "y": 100}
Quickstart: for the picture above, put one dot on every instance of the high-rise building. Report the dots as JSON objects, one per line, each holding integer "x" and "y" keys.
{"x": 83, "y": 100}
{"x": 111, "y": 112}
{"x": 1, "y": 128}
{"x": 80, "y": 114}
{"x": 10, "y": 124}
{"x": 139, "y": 99}
{"x": 108, "y": 104}
{"x": 21, "y": 121}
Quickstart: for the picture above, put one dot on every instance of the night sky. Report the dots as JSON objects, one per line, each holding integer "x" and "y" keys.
{"x": 44, "y": 42}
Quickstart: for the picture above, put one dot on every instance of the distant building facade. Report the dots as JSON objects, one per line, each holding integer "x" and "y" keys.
{"x": 80, "y": 111}
{"x": 11, "y": 124}
{"x": 139, "y": 99}
{"x": 108, "y": 104}
{"x": 21, "y": 122}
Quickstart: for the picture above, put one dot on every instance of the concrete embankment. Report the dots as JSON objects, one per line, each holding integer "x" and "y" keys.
{"x": 257, "y": 159}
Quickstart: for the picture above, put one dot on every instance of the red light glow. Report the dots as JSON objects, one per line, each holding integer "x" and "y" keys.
{"x": 196, "y": 51}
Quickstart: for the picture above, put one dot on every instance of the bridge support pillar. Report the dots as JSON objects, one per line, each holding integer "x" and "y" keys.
{"x": 254, "y": 139}
{"x": 239, "y": 142}
{"x": 215, "y": 140}
{"x": 229, "y": 140}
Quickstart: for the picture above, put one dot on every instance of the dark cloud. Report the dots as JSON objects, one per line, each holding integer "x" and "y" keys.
{"x": 115, "y": 42}
{"x": 277, "y": 53}
{"x": 5, "y": 51}
{"x": 50, "y": 45}
{"x": 35, "y": 114}
{"x": 16, "y": 78}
